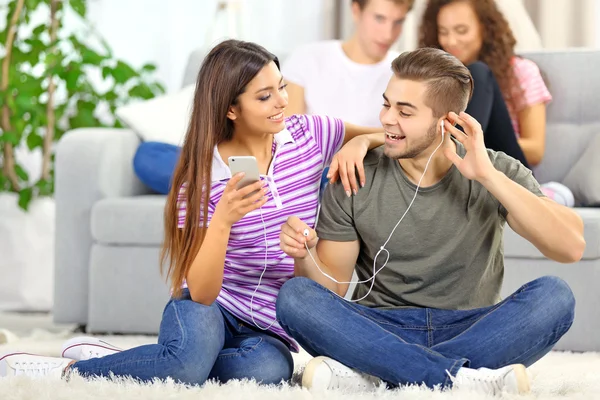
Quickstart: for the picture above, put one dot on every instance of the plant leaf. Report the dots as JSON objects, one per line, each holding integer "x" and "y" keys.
{"x": 10, "y": 137}
{"x": 71, "y": 76}
{"x": 32, "y": 4}
{"x": 4, "y": 184}
{"x": 21, "y": 173}
{"x": 83, "y": 119}
{"x": 25, "y": 196}
{"x": 142, "y": 90}
{"x": 158, "y": 88}
{"x": 38, "y": 30}
{"x": 111, "y": 96}
{"x": 34, "y": 140}
{"x": 46, "y": 188}
{"x": 106, "y": 72}
{"x": 77, "y": 45}
{"x": 54, "y": 60}
{"x": 91, "y": 57}
{"x": 123, "y": 72}
{"x": 30, "y": 87}
{"x": 79, "y": 7}
{"x": 149, "y": 68}
{"x": 23, "y": 102}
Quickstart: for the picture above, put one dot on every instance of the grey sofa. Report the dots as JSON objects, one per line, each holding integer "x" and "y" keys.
{"x": 573, "y": 121}
{"x": 109, "y": 227}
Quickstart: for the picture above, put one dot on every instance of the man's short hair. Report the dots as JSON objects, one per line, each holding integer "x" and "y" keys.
{"x": 449, "y": 82}
{"x": 409, "y": 3}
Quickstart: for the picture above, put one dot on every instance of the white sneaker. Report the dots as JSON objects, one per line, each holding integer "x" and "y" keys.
{"x": 83, "y": 348}
{"x": 13, "y": 364}
{"x": 326, "y": 373}
{"x": 510, "y": 379}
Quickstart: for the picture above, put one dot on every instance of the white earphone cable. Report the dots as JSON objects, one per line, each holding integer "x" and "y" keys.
{"x": 261, "y": 276}
{"x": 382, "y": 248}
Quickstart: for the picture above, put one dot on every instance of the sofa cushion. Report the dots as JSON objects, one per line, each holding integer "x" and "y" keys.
{"x": 160, "y": 119}
{"x": 584, "y": 177}
{"x": 565, "y": 145}
{"x": 517, "y": 247}
{"x": 134, "y": 220}
{"x": 572, "y": 120}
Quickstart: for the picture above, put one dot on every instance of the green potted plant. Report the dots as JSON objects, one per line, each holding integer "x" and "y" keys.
{"x": 51, "y": 80}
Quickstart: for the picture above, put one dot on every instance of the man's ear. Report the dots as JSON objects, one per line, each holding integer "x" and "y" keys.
{"x": 356, "y": 11}
{"x": 440, "y": 124}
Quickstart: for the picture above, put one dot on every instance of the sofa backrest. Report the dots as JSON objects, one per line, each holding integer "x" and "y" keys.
{"x": 572, "y": 118}
{"x": 193, "y": 67}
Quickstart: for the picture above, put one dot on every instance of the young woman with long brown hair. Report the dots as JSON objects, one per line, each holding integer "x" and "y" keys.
{"x": 221, "y": 244}
{"x": 510, "y": 96}
{"x": 477, "y": 34}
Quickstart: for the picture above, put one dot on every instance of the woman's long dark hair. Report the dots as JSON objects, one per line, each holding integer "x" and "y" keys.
{"x": 224, "y": 75}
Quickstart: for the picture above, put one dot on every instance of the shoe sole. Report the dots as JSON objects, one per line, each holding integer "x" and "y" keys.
{"x": 20, "y": 353}
{"x": 309, "y": 371}
{"x": 76, "y": 342}
{"x": 523, "y": 383}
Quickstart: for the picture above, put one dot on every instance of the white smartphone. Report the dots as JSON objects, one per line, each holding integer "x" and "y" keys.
{"x": 246, "y": 164}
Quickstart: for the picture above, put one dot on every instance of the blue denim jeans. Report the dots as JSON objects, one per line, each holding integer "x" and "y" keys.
{"x": 196, "y": 343}
{"x": 418, "y": 345}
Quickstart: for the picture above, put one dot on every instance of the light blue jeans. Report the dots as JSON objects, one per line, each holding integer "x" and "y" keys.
{"x": 196, "y": 343}
{"x": 418, "y": 345}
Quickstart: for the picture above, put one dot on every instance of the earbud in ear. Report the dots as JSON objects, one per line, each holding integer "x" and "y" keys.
{"x": 442, "y": 126}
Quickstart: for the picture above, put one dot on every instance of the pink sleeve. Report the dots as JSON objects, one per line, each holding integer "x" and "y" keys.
{"x": 531, "y": 82}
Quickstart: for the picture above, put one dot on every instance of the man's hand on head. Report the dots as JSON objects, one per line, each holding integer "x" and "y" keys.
{"x": 476, "y": 164}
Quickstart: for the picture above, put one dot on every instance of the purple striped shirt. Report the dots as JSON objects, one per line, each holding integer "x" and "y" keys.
{"x": 300, "y": 152}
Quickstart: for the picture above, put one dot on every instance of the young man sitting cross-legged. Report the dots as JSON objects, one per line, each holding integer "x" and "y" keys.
{"x": 433, "y": 315}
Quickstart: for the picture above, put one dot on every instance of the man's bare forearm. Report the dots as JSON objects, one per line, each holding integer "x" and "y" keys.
{"x": 306, "y": 267}
{"x": 555, "y": 230}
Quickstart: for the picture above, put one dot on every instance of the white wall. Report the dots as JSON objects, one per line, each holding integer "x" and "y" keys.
{"x": 166, "y": 32}
{"x": 596, "y": 18}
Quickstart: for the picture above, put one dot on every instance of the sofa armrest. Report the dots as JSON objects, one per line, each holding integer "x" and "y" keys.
{"x": 91, "y": 164}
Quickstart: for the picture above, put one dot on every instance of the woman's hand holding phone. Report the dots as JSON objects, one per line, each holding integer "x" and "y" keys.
{"x": 236, "y": 203}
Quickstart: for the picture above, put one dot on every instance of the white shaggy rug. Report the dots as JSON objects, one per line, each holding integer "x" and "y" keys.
{"x": 557, "y": 376}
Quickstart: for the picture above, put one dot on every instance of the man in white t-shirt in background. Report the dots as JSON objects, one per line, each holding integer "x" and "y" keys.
{"x": 346, "y": 79}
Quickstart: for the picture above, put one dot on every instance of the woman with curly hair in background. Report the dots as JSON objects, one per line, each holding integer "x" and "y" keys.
{"x": 510, "y": 95}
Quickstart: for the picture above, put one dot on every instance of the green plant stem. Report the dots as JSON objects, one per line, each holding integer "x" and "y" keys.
{"x": 9, "y": 153}
{"x": 49, "y": 136}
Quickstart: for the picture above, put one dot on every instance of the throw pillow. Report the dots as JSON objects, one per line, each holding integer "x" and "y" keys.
{"x": 584, "y": 177}
{"x": 161, "y": 119}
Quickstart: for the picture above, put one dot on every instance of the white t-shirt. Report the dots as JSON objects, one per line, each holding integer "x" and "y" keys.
{"x": 336, "y": 86}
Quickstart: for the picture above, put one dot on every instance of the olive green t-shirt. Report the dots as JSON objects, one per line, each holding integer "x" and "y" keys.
{"x": 447, "y": 253}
